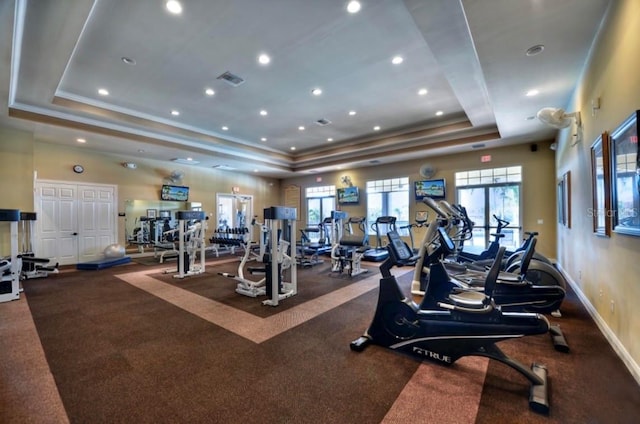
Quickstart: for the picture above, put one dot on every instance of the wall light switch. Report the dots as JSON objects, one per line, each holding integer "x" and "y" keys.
{"x": 540, "y": 221}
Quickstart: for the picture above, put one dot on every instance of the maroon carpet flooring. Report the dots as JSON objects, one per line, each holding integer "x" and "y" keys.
{"x": 119, "y": 354}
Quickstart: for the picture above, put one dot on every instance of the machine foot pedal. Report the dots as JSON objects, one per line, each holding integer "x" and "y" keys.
{"x": 557, "y": 337}
{"x": 360, "y": 344}
{"x": 539, "y": 393}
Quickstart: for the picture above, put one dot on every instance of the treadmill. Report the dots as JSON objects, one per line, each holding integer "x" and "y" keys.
{"x": 383, "y": 225}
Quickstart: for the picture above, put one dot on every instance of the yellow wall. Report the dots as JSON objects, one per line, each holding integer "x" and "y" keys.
{"x": 606, "y": 270}
{"x": 538, "y": 189}
{"x": 16, "y": 170}
{"x": 21, "y": 156}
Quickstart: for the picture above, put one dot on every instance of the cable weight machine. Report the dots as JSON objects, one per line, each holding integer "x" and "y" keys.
{"x": 281, "y": 222}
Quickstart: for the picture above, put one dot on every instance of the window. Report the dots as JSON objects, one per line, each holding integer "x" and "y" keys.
{"x": 388, "y": 198}
{"x": 488, "y": 192}
{"x": 320, "y": 202}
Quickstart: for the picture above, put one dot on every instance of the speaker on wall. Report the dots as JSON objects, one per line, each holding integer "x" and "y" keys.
{"x": 534, "y": 147}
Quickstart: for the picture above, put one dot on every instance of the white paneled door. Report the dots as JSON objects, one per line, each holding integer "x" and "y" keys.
{"x": 75, "y": 222}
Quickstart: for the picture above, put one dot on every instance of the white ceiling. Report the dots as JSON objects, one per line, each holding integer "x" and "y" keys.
{"x": 468, "y": 54}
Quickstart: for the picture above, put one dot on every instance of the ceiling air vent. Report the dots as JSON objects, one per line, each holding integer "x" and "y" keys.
{"x": 231, "y": 79}
{"x": 224, "y": 167}
{"x": 322, "y": 122}
{"x": 478, "y": 146}
{"x": 184, "y": 161}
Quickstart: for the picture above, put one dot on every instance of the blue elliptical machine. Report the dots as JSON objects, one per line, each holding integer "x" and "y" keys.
{"x": 465, "y": 324}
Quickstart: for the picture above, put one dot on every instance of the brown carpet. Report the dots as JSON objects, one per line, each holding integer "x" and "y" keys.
{"x": 312, "y": 283}
{"x": 121, "y": 355}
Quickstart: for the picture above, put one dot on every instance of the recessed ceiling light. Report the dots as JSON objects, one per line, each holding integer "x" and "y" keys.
{"x": 81, "y": 140}
{"x": 189, "y": 159}
{"x": 439, "y": 113}
{"x": 264, "y": 59}
{"x": 353, "y": 7}
{"x": 293, "y": 148}
{"x": 534, "y": 50}
{"x": 422, "y": 92}
{"x": 225, "y": 128}
{"x": 397, "y": 60}
{"x": 533, "y": 92}
{"x": 103, "y": 91}
{"x": 174, "y": 7}
{"x": 352, "y": 112}
{"x": 209, "y": 92}
{"x": 255, "y": 170}
{"x": 329, "y": 139}
{"x": 301, "y": 128}
{"x": 140, "y": 150}
{"x": 175, "y": 113}
{"x": 316, "y": 91}
{"x": 128, "y": 60}
{"x": 263, "y": 112}
{"x": 263, "y": 139}
{"x": 376, "y": 128}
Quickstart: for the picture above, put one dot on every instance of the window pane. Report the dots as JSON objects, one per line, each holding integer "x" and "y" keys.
{"x": 313, "y": 212}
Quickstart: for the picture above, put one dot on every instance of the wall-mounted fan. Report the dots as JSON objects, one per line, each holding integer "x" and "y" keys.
{"x": 175, "y": 177}
{"x": 558, "y": 118}
{"x": 427, "y": 170}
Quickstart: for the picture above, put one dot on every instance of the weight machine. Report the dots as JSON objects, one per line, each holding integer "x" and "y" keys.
{"x": 348, "y": 256}
{"x": 9, "y": 266}
{"x": 190, "y": 243}
{"x": 31, "y": 266}
{"x": 257, "y": 288}
{"x": 281, "y": 222}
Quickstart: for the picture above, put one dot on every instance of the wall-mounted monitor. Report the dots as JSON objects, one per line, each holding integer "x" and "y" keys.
{"x": 435, "y": 189}
{"x": 171, "y": 192}
{"x": 348, "y": 195}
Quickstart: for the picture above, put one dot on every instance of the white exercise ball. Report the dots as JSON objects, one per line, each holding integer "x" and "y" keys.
{"x": 114, "y": 251}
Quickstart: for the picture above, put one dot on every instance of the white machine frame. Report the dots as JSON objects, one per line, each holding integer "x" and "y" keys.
{"x": 12, "y": 216}
{"x": 196, "y": 245}
{"x": 278, "y": 218}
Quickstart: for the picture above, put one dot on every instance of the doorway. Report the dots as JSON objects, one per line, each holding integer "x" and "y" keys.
{"x": 483, "y": 202}
{"x": 75, "y": 222}
{"x": 234, "y": 211}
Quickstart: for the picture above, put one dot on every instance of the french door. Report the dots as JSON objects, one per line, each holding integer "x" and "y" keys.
{"x": 75, "y": 222}
{"x": 483, "y": 202}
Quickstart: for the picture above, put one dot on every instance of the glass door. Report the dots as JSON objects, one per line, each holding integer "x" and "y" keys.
{"x": 483, "y": 202}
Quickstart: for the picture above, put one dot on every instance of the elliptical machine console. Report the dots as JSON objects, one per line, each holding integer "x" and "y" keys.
{"x": 465, "y": 324}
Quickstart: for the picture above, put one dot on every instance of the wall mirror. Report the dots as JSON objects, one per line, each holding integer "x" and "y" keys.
{"x": 601, "y": 186}
{"x": 147, "y": 220}
{"x": 234, "y": 211}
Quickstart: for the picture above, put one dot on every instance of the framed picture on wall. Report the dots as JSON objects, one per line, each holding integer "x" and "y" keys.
{"x": 625, "y": 177}
{"x": 601, "y": 186}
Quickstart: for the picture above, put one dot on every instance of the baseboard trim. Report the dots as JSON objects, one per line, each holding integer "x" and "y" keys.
{"x": 611, "y": 337}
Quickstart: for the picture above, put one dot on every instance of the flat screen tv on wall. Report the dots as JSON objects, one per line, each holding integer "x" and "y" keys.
{"x": 177, "y": 193}
{"x": 435, "y": 189}
{"x": 348, "y": 195}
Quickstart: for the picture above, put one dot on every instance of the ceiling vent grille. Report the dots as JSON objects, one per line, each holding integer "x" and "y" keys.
{"x": 231, "y": 79}
{"x": 322, "y": 122}
{"x": 184, "y": 161}
{"x": 224, "y": 167}
{"x": 478, "y": 146}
